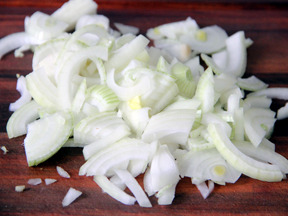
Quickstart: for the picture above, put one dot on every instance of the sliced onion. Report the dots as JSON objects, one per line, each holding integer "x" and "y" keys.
{"x": 213, "y": 41}
{"x": 35, "y": 181}
{"x": 49, "y": 181}
{"x": 171, "y": 126}
{"x": 163, "y": 170}
{"x": 204, "y": 189}
{"x": 71, "y": 11}
{"x": 15, "y": 40}
{"x": 70, "y": 196}
{"x": 17, "y": 123}
{"x": 113, "y": 190}
{"x": 4, "y": 149}
{"x": 135, "y": 188}
{"x": 274, "y": 93}
{"x": 25, "y": 95}
{"x": 44, "y": 26}
{"x": 19, "y": 188}
{"x": 63, "y": 173}
{"x": 240, "y": 161}
{"x": 89, "y": 19}
{"x": 46, "y": 136}
{"x": 125, "y": 29}
{"x": 166, "y": 195}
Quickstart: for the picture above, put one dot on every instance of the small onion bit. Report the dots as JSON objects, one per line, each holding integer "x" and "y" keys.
{"x": 4, "y": 149}
{"x": 49, "y": 181}
{"x": 35, "y": 181}
{"x": 19, "y": 188}
{"x": 71, "y": 195}
{"x": 62, "y": 172}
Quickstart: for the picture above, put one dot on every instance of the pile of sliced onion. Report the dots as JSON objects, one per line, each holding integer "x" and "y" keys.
{"x": 138, "y": 110}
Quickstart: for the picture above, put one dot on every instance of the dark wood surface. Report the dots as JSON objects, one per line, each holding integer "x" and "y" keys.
{"x": 265, "y": 22}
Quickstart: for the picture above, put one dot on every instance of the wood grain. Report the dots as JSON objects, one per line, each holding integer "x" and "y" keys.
{"x": 265, "y": 22}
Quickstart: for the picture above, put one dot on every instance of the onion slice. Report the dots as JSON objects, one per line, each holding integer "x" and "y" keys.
{"x": 35, "y": 181}
{"x": 63, "y": 173}
{"x": 111, "y": 189}
{"x": 71, "y": 195}
{"x": 240, "y": 161}
{"x": 135, "y": 188}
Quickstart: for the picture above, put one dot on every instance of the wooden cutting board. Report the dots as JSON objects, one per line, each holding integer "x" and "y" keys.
{"x": 265, "y": 23}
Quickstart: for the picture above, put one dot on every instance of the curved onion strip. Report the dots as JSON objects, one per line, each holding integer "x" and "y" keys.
{"x": 98, "y": 126}
{"x": 257, "y": 124}
{"x": 120, "y": 132}
{"x": 15, "y": 40}
{"x": 282, "y": 112}
{"x": 113, "y": 190}
{"x": 17, "y": 123}
{"x": 205, "y": 90}
{"x": 240, "y": 161}
{"x": 89, "y": 19}
{"x": 172, "y": 126}
{"x": 44, "y": 26}
{"x": 25, "y": 95}
{"x": 46, "y": 136}
{"x": 121, "y": 59}
{"x": 102, "y": 166}
{"x": 251, "y": 83}
{"x": 70, "y": 68}
{"x": 125, "y": 29}
{"x": 125, "y": 146}
{"x": 71, "y": 11}
{"x": 214, "y": 40}
{"x": 63, "y": 173}
{"x": 163, "y": 170}
{"x": 237, "y": 56}
{"x": 127, "y": 93}
{"x": 263, "y": 154}
{"x": 274, "y": 93}
{"x": 135, "y": 188}
{"x": 166, "y": 195}
{"x": 43, "y": 91}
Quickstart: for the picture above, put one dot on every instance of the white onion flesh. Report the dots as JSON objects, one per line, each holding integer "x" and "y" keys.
{"x": 63, "y": 173}
{"x": 70, "y": 196}
{"x": 136, "y": 109}
{"x": 34, "y": 181}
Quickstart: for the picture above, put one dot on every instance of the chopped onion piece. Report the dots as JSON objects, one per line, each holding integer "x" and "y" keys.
{"x": 62, "y": 172}
{"x": 236, "y": 54}
{"x": 135, "y": 188}
{"x": 35, "y": 181}
{"x": 71, "y": 195}
{"x": 46, "y": 136}
{"x": 19, "y": 188}
{"x": 4, "y": 149}
{"x": 44, "y": 26}
{"x": 15, "y": 40}
{"x": 207, "y": 40}
{"x": 163, "y": 170}
{"x": 89, "y": 19}
{"x": 204, "y": 189}
{"x": 282, "y": 112}
{"x": 49, "y": 181}
{"x": 240, "y": 161}
{"x": 25, "y": 94}
{"x": 251, "y": 83}
{"x": 274, "y": 93}
{"x": 72, "y": 10}
{"x": 125, "y": 29}
{"x": 17, "y": 123}
{"x": 113, "y": 190}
